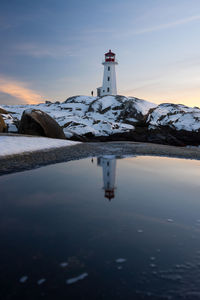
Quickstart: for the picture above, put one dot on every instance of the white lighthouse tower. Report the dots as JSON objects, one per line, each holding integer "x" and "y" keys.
{"x": 109, "y": 86}
{"x": 108, "y": 164}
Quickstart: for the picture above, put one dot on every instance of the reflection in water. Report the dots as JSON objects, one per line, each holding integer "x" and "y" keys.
{"x": 55, "y": 226}
{"x": 108, "y": 164}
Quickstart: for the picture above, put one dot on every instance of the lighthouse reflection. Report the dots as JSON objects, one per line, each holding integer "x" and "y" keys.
{"x": 108, "y": 164}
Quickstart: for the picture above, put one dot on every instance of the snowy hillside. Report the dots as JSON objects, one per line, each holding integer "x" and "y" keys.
{"x": 82, "y": 115}
{"x": 106, "y": 116}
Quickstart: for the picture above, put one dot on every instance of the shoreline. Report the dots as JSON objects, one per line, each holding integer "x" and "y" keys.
{"x": 31, "y": 160}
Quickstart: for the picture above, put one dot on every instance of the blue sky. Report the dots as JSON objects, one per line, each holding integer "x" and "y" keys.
{"x": 53, "y": 49}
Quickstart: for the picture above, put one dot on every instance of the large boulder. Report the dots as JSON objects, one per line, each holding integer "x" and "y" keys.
{"x": 37, "y": 122}
{"x": 2, "y": 124}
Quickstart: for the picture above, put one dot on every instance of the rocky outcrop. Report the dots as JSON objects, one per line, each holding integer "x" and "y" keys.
{"x": 2, "y": 124}
{"x": 111, "y": 118}
{"x": 37, "y": 122}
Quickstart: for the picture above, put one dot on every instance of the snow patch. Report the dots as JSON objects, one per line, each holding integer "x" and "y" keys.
{"x": 64, "y": 264}
{"x": 120, "y": 260}
{"x": 23, "y": 279}
{"x": 19, "y": 144}
{"x": 75, "y": 279}
{"x": 152, "y": 265}
{"x": 41, "y": 281}
{"x": 170, "y": 220}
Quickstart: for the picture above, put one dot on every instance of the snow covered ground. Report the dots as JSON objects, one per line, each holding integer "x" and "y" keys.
{"x": 107, "y": 115}
{"x": 19, "y": 144}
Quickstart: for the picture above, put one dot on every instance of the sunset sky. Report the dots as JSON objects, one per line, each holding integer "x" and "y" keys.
{"x": 53, "y": 49}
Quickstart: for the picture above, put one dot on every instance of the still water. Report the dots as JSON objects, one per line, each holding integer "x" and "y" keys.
{"x": 102, "y": 228}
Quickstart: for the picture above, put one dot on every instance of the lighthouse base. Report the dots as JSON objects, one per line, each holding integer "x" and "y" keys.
{"x": 101, "y": 92}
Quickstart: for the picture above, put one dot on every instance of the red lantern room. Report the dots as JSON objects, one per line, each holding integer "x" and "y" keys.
{"x": 109, "y": 56}
{"x": 109, "y": 194}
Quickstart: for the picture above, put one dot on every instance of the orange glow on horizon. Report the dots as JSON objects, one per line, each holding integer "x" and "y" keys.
{"x": 186, "y": 97}
{"x": 17, "y": 90}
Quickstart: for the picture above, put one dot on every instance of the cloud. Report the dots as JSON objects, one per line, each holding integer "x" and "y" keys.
{"x": 39, "y": 51}
{"x": 164, "y": 26}
{"x": 19, "y": 91}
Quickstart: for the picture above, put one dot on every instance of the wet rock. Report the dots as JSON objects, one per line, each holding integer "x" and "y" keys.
{"x": 37, "y": 122}
{"x": 168, "y": 136}
{"x": 164, "y": 136}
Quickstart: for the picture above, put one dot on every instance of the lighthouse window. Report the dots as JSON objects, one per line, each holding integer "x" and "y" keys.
{"x": 108, "y": 90}
{"x": 108, "y": 68}
{"x": 108, "y": 173}
{"x": 108, "y": 78}
{"x": 108, "y": 163}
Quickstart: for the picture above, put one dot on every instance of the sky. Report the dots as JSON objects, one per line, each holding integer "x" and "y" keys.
{"x": 53, "y": 49}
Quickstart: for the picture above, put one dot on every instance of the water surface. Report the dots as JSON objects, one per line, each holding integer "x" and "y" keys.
{"x": 140, "y": 241}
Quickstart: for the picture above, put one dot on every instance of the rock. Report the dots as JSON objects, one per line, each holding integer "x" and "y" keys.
{"x": 3, "y": 111}
{"x": 12, "y": 123}
{"x": 174, "y": 124}
{"x": 48, "y": 102}
{"x": 37, "y": 122}
{"x": 2, "y": 125}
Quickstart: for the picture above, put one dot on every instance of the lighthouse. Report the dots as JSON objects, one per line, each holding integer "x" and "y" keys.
{"x": 109, "y": 86}
{"x": 108, "y": 164}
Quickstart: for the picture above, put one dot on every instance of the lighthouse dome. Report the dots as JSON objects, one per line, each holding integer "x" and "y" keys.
{"x": 110, "y": 53}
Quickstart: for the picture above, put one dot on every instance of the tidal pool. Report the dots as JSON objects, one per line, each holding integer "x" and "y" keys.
{"x": 102, "y": 228}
